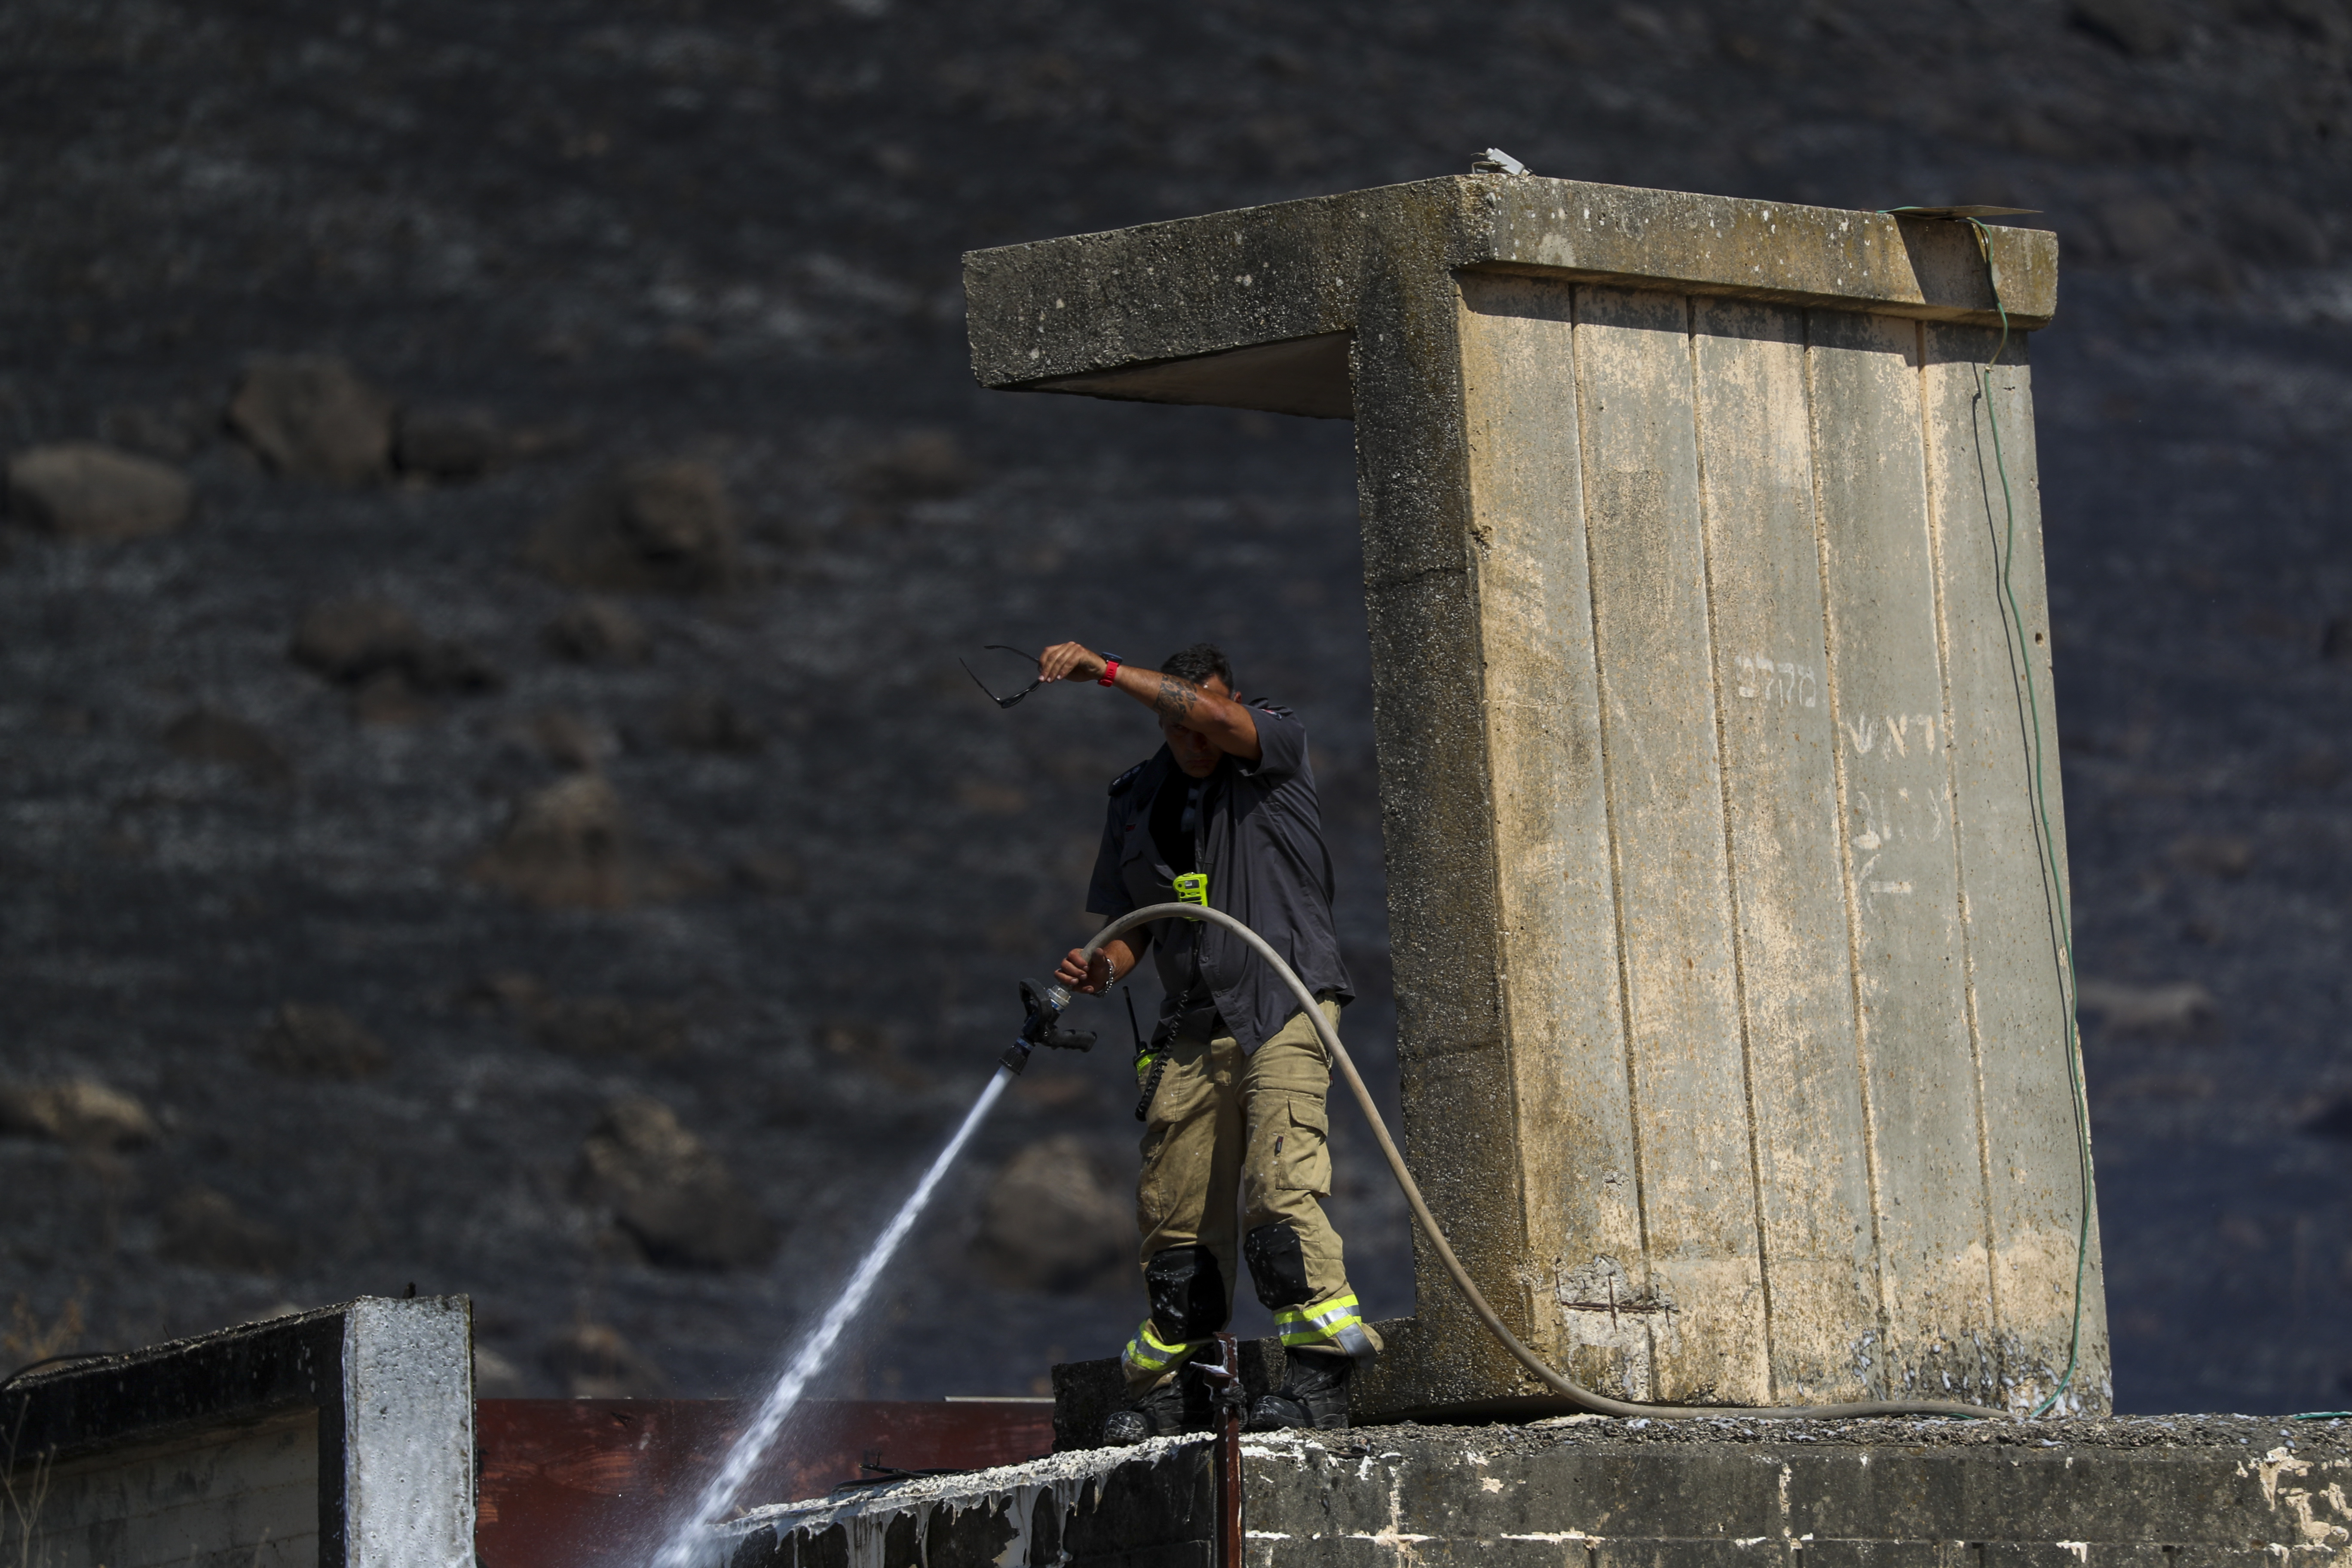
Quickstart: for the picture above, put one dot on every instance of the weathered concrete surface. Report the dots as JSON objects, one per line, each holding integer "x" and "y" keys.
{"x": 1713, "y": 760}
{"x": 1149, "y": 1506}
{"x": 1113, "y": 307}
{"x": 343, "y": 1437}
{"x": 408, "y": 1433}
{"x": 1594, "y": 1493}
{"x": 236, "y": 1497}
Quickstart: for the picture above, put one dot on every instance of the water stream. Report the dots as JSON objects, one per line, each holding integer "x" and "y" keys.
{"x": 688, "y": 1543}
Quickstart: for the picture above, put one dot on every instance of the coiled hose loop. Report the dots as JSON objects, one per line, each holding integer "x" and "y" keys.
{"x": 1567, "y": 1387}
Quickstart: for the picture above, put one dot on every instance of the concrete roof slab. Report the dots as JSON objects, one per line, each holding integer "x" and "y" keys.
{"x": 1088, "y": 312}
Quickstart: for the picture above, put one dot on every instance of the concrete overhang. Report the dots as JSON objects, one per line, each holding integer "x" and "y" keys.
{"x": 1254, "y": 309}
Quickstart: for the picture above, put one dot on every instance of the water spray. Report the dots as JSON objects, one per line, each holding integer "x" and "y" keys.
{"x": 688, "y": 1545}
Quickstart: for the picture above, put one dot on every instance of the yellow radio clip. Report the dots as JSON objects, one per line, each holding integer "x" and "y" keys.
{"x": 1193, "y": 888}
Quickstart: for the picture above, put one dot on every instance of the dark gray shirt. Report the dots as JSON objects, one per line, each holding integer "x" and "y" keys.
{"x": 1259, "y": 837}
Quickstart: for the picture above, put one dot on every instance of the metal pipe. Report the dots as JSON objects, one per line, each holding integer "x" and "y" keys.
{"x": 1567, "y": 1387}
{"x": 1225, "y": 1375}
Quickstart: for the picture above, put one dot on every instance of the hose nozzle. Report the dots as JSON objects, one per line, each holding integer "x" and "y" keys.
{"x": 1042, "y": 1003}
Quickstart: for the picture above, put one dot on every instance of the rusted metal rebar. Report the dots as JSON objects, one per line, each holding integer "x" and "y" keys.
{"x": 1224, "y": 1375}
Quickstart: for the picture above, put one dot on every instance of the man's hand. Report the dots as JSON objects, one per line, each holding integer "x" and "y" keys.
{"x": 1114, "y": 959}
{"x": 1070, "y": 661}
{"x": 1091, "y": 978}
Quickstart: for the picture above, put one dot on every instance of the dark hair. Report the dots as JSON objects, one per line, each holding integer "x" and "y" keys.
{"x": 1199, "y": 662}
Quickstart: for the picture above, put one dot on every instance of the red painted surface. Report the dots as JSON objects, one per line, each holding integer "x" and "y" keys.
{"x": 583, "y": 1483}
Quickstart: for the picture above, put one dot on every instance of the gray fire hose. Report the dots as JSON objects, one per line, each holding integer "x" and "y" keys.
{"x": 1565, "y": 1386}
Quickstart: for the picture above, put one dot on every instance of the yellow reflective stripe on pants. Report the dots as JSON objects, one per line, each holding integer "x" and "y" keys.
{"x": 1298, "y": 1326}
{"x": 1148, "y": 1352}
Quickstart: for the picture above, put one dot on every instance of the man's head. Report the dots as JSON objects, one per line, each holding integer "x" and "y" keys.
{"x": 1204, "y": 665}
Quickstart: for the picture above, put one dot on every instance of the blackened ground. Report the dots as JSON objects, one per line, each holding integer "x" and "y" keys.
{"x": 730, "y": 232}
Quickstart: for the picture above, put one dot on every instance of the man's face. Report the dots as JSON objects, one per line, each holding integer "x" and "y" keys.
{"x": 1194, "y": 753}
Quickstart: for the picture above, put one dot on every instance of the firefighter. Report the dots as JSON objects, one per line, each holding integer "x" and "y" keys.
{"x": 1235, "y": 1076}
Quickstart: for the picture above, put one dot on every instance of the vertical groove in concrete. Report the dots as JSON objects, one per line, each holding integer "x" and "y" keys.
{"x": 1704, "y": 431}
{"x": 1869, "y": 1368}
{"x": 1628, "y": 1051}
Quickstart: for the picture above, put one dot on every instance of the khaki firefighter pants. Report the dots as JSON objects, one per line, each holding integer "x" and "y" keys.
{"x": 1226, "y": 1126}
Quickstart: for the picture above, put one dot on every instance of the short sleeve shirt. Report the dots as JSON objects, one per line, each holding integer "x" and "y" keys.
{"x": 1259, "y": 839}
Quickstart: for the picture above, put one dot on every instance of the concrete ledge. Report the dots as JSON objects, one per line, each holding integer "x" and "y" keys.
{"x": 2150, "y": 1492}
{"x": 1391, "y": 1390}
{"x": 1590, "y": 1490}
{"x": 1249, "y": 308}
{"x": 1150, "y": 1506}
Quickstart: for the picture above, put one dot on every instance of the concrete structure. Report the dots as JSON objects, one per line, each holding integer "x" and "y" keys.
{"x": 350, "y": 1438}
{"x": 1726, "y": 942}
{"x": 346, "y": 1437}
{"x": 342, "y": 1438}
{"x": 1585, "y": 1492}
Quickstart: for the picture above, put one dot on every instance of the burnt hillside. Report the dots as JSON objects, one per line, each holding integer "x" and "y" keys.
{"x": 514, "y": 822}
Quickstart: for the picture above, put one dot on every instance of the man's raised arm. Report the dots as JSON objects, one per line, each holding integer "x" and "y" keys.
{"x": 1223, "y": 722}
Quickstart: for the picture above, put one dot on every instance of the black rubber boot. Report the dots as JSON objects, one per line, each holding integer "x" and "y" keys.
{"x": 1314, "y": 1396}
{"x": 1182, "y": 1403}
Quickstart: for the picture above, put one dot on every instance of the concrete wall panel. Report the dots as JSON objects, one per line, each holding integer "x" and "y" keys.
{"x": 1665, "y": 802}
{"x": 244, "y": 1498}
{"x": 1780, "y": 800}
{"x": 1989, "y": 549}
{"x": 1886, "y": 697}
{"x": 1556, "y": 878}
{"x": 1880, "y": 1554}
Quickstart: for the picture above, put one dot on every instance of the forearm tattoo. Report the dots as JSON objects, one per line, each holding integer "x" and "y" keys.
{"x": 1175, "y": 699}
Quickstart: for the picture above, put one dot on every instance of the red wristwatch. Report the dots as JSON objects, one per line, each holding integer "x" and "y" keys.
{"x": 1109, "y": 677}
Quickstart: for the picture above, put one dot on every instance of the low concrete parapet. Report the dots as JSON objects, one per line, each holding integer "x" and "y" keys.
{"x": 342, "y": 1437}
{"x": 1150, "y": 1506}
{"x": 1587, "y": 1492}
{"x": 348, "y": 1437}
